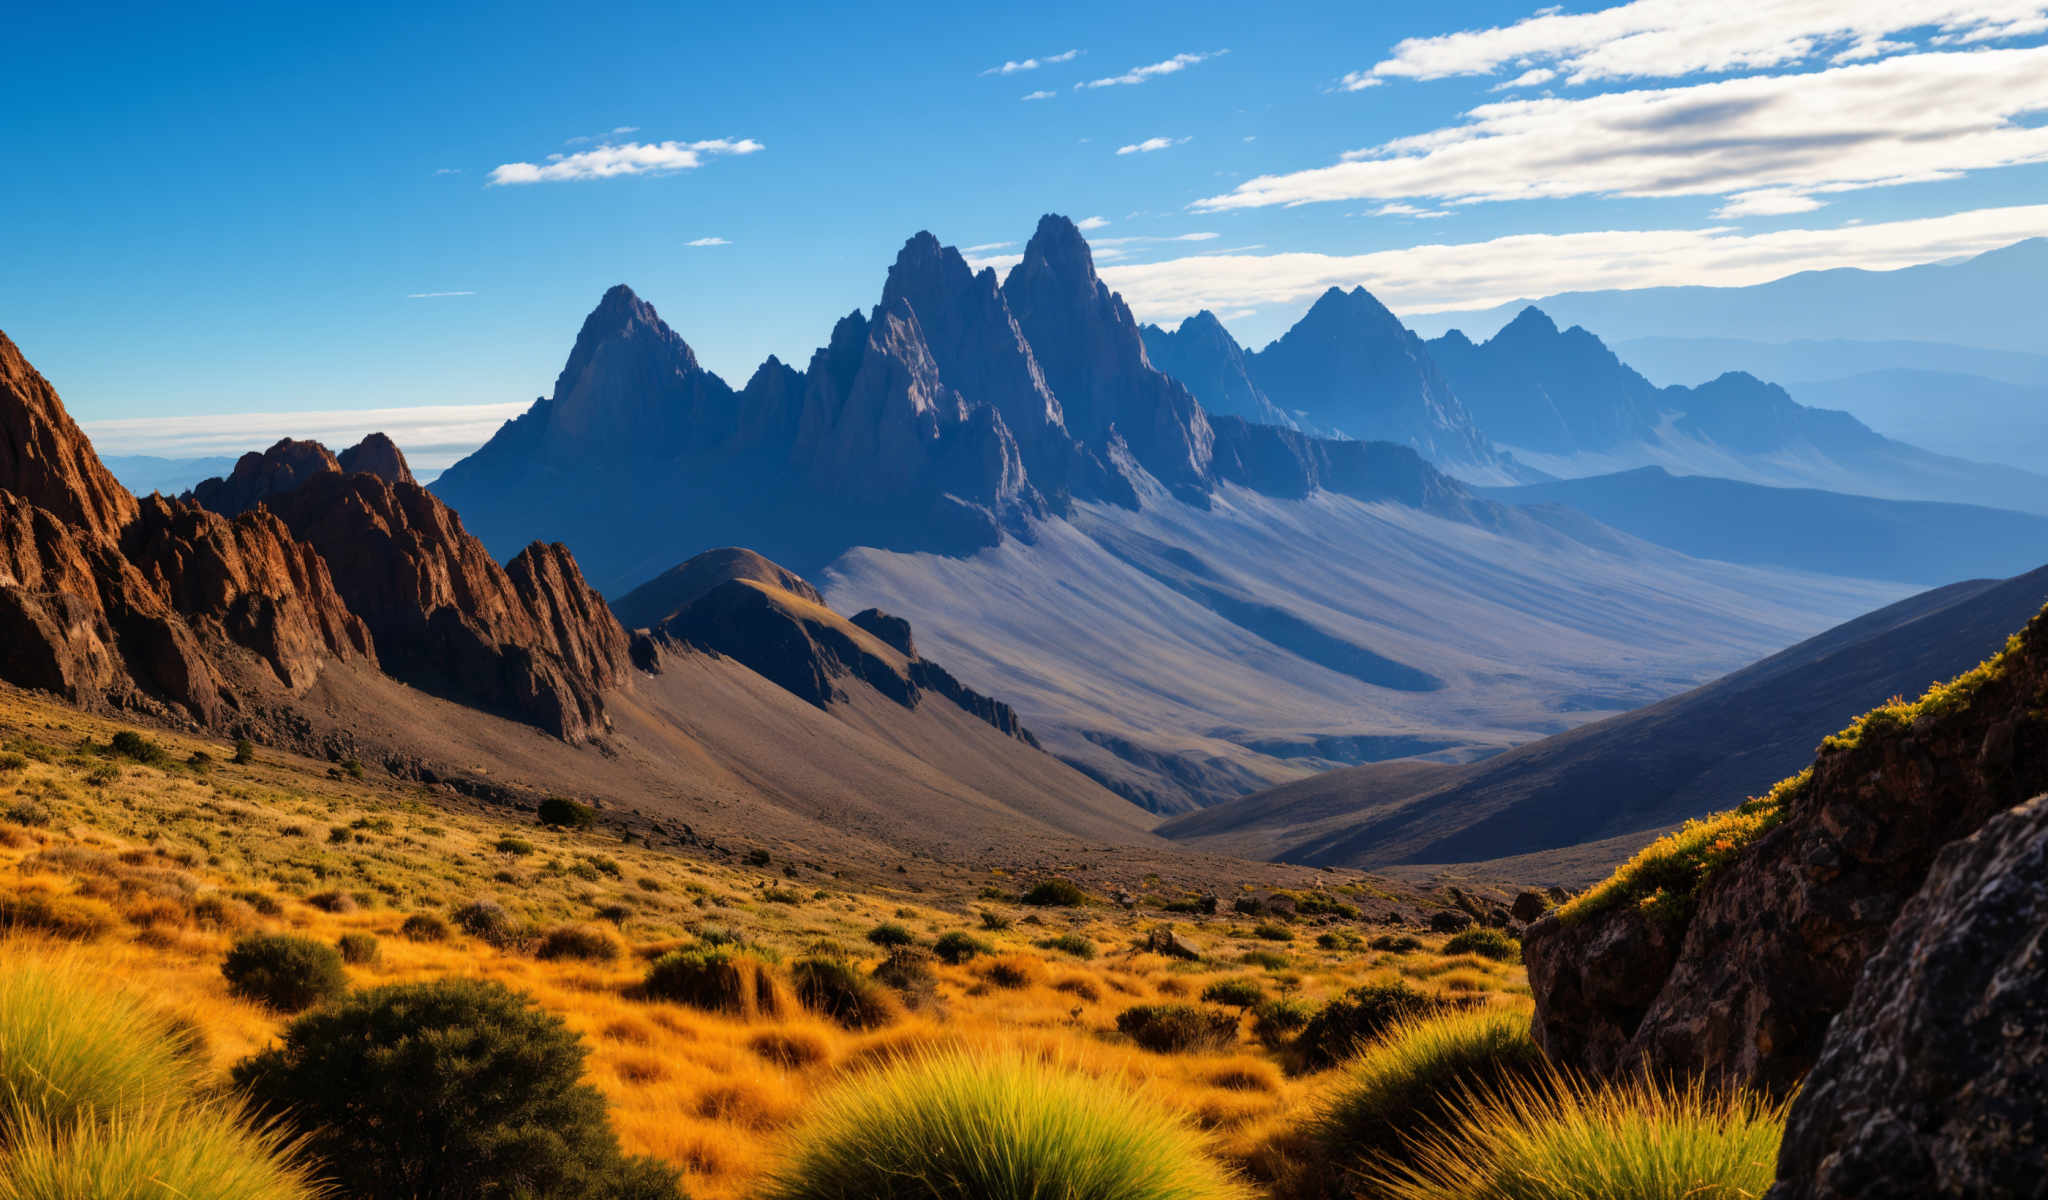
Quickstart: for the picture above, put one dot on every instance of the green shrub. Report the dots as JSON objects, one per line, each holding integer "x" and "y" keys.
{"x": 73, "y": 1045}
{"x": 1270, "y": 932}
{"x": 832, "y": 987}
{"x": 957, "y": 947}
{"x": 1071, "y": 943}
{"x": 453, "y": 1089}
{"x": 1397, "y": 943}
{"x": 585, "y": 943}
{"x": 1344, "y": 1025}
{"x": 1412, "y": 1082}
{"x": 758, "y": 857}
{"x": 1236, "y": 993}
{"x": 517, "y": 846}
{"x": 1055, "y": 893}
{"x": 1486, "y": 943}
{"x": 332, "y": 902}
{"x": 132, "y": 745}
{"x": 66, "y": 917}
{"x": 1192, "y": 906}
{"x": 1274, "y": 1022}
{"x": 1177, "y": 1028}
{"x": 358, "y": 949}
{"x": 976, "y": 1127}
{"x": 1311, "y": 904}
{"x": 28, "y": 812}
{"x": 424, "y": 927}
{"x": 994, "y": 921}
{"x": 487, "y": 921}
{"x": 889, "y": 934}
{"x": 245, "y": 752}
{"x": 154, "y": 1153}
{"x": 1248, "y": 906}
{"x": 724, "y": 979}
{"x": 283, "y": 971}
{"x": 561, "y": 813}
{"x": 1561, "y": 1137}
{"x": 909, "y": 971}
{"x": 1265, "y": 960}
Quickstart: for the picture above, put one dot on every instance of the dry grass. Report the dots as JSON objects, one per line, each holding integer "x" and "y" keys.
{"x": 159, "y": 870}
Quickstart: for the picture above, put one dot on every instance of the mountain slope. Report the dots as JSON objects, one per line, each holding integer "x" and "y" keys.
{"x": 1202, "y": 355}
{"x": 1799, "y": 528}
{"x": 1685, "y": 756}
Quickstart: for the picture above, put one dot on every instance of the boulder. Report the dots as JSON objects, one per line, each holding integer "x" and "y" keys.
{"x": 1934, "y": 1080}
{"x": 1168, "y": 941}
{"x": 1528, "y": 906}
{"x": 1450, "y": 920}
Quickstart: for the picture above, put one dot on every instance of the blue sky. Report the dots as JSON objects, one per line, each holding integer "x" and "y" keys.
{"x": 216, "y": 211}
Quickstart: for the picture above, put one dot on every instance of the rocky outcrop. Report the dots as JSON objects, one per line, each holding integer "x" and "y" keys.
{"x": 1934, "y": 1080}
{"x": 378, "y": 455}
{"x": 532, "y": 640}
{"x": 1740, "y": 979}
{"x": 735, "y": 603}
{"x": 45, "y": 458}
{"x": 258, "y": 476}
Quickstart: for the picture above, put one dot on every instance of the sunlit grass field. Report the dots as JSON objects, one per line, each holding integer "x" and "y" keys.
{"x": 152, "y": 864}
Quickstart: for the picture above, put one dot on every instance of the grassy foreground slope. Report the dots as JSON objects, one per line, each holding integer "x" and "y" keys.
{"x": 155, "y": 853}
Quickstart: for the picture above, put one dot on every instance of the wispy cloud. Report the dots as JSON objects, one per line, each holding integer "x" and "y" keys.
{"x": 1398, "y": 209}
{"x": 1151, "y": 144}
{"x": 1668, "y": 39}
{"x": 1011, "y": 67}
{"x": 432, "y": 436}
{"x": 1087, "y": 223}
{"x": 1910, "y": 118}
{"x": 1450, "y": 277}
{"x": 434, "y": 295}
{"x": 1040, "y": 95}
{"x": 1113, "y": 248}
{"x": 1179, "y": 62}
{"x": 448, "y": 171}
{"x": 707, "y": 241}
{"x": 986, "y": 248}
{"x": 625, "y": 158}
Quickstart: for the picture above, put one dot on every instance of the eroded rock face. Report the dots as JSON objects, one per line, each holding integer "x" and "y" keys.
{"x": 46, "y": 459}
{"x": 1934, "y": 1081}
{"x": 1744, "y": 988}
{"x": 533, "y": 641}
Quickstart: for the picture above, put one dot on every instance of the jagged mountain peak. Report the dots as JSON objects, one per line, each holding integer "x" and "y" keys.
{"x": 380, "y": 456}
{"x": 1531, "y": 321}
{"x": 45, "y": 458}
{"x": 622, "y": 316}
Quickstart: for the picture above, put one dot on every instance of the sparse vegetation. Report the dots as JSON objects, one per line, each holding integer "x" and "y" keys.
{"x": 358, "y": 949}
{"x": 1177, "y": 1028}
{"x": 962, "y": 1126}
{"x": 727, "y": 979}
{"x": 835, "y": 988}
{"x": 1055, "y": 893}
{"x": 562, "y": 813}
{"x": 1486, "y": 943}
{"x": 890, "y": 935}
{"x": 1346, "y": 1024}
{"x": 957, "y": 947}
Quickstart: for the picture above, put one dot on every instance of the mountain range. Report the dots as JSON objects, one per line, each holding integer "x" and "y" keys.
{"x": 1186, "y": 605}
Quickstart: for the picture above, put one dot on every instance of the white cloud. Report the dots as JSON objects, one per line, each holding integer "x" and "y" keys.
{"x": 1040, "y": 95}
{"x": 985, "y": 248}
{"x": 432, "y": 436}
{"x": 1666, "y": 39}
{"x": 1766, "y": 202}
{"x": 1032, "y": 64}
{"x": 448, "y": 170}
{"x": 1001, "y": 262}
{"x": 434, "y": 295}
{"x": 707, "y": 241}
{"x": 1398, "y": 209}
{"x": 1905, "y": 119}
{"x": 1087, "y": 223}
{"x": 626, "y": 158}
{"x": 1178, "y": 62}
{"x": 1533, "y": 77}
{"x": 1435, "y": 278}
{"x": 1151, "y": 144}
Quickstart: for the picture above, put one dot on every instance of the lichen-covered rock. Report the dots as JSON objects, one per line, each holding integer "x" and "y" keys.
{"x": 1741, "y": 983}
{"x": 1934, "y": 1081}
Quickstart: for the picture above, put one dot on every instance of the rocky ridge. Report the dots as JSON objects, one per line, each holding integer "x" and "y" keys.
{"x": 1740, "y": 979}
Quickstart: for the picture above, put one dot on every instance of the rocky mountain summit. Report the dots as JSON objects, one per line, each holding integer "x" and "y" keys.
{"x": 953, "y": 414}
{"x": 197, "y": 608}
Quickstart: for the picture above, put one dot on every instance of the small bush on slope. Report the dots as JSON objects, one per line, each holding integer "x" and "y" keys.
{"x": 1562, "y": 1137}
{"x": 962, "y": 1127}
{"x": 1177, "y": 1028}
{"x": 1486, "y": 943}
{"x": 283, "y": 971}
{"x": 835, "y": 988}
{"x": 1346, "y": 1024}
{"x": 724, "y": 979}
{"x": 1408, "y": 1083}
{"x": 450, "y": 1090}
{"x": 1055, "y": 893}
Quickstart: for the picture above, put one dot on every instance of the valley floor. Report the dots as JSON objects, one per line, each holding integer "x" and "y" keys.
{"x": 149, "y": 867}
